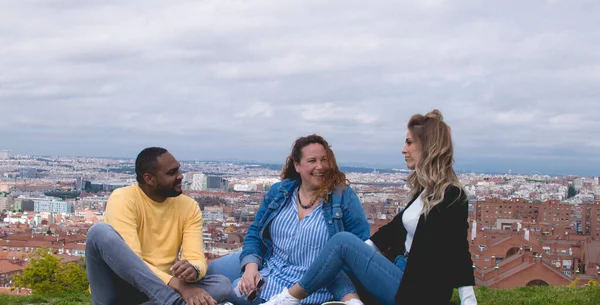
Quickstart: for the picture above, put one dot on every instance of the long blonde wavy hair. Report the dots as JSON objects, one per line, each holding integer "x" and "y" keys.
{"x": 433, "y": 172}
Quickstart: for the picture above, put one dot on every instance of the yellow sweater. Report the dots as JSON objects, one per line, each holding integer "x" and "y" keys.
{"x": 156, "y": 231}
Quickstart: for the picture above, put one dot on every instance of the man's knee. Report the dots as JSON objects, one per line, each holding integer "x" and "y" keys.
{"x": 220, "y": 287}
{"x": 100, "y": 233}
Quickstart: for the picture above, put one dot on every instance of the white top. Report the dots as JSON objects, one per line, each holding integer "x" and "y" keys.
{"x": 410, "y": 220}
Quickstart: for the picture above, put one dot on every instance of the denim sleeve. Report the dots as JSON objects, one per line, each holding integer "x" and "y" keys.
{"x": 254, "y": 249}
{"x": 355, "y": 220}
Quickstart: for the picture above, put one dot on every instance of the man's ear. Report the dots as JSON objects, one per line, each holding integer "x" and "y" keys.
{"x": 149, "y": 179}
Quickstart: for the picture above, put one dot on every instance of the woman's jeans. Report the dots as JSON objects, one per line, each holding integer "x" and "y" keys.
{"x": 344, "y": 251}
{"x": 229, "y": 266}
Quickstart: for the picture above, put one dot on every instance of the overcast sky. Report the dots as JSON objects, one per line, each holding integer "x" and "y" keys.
{"x": 518, "y": 81}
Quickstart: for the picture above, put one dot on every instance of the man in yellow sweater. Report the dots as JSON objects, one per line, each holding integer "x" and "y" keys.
{"x": 134, "y": 257}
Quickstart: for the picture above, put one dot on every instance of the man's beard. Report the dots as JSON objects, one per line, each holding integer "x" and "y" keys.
{"x": 169, "y": 191}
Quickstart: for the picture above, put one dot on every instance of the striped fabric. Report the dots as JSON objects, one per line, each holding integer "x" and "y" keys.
{"x": 296, "y": 245}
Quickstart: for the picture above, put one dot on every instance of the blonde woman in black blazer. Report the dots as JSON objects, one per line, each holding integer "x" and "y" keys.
{"x": 428, "y": 239}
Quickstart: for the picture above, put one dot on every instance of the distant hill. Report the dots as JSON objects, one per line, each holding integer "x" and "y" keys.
{"x": 345, "y": 169}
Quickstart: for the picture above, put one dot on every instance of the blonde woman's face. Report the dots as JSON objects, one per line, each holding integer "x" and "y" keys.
{"x": 411, "y": 151}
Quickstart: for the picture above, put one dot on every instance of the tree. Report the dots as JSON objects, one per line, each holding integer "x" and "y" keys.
{"x": 572, "y": 192}
{"x": 205, "y": 200}
{"x": 73, "y": 276}
{"x": 46, "y": 274}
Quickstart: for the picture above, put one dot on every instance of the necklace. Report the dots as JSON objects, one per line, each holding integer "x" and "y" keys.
{"x": 306, "y": 207}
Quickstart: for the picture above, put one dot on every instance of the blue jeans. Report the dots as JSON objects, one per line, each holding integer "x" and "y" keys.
{"x": 380, "y": 277}
{"x": 229, "y": 266}
{"x": 118, "y": 276}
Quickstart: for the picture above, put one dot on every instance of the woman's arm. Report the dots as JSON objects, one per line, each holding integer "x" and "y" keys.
{"x": 254, "y": 249}
{"x": 467, "y": 295}
{"x": 388, "y": 234}
{"x": 355, "y": 220}
{"x": 453, "y": 229}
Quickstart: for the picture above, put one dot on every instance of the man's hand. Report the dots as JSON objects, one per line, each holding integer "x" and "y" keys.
{"x": 184, "y": 270}
{"x": 196, "y": 296}
{"x": 191, "y": 294}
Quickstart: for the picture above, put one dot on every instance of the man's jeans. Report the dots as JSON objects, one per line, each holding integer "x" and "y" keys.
{"x": 118, "y": 276}
{"x": 229, "y": 266}
{"x": 380, "y": 277}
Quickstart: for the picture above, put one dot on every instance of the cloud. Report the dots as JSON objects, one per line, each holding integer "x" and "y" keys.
{"x": 258, "y": 109}
{"x": 244, "y": 79}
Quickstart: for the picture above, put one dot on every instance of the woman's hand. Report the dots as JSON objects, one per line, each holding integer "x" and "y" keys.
{"x": 249, "y": 279}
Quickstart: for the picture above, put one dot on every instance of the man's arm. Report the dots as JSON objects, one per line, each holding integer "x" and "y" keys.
{"x": 121, "y": 214}
{"x": 192, "y": 247}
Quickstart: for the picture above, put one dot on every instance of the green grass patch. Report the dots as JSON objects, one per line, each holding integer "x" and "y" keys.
{"x": 560, "y": 295}
{"x": 64, "y": 298}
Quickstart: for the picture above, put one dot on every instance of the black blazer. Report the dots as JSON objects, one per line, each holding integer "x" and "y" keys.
{"x": 439, "y": 258}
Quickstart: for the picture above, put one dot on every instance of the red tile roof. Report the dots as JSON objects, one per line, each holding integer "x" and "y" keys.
{"x": 6, "y": 267}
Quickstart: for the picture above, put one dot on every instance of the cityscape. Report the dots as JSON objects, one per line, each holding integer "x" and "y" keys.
{"x": 226, "y": 87}
{"x": 525, "y": 230}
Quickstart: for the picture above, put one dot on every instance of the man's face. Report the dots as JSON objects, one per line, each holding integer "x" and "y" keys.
{"x": 167, "y": 176}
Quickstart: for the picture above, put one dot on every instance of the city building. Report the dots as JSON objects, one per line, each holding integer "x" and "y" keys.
{"x": 7, "y": 271}
{"x": 104, "y": 186}
{"x": 4, "y": 154}
{"x": 216, "y": 182}
{"x": 24, "y": 205}
{"x": 52, "y": 206}
{"x": 28, "y": 173}
{"x": 3, "y": 203}
{"x": 551, "y": 216}
{"x": 212, "y": 213}
{"x": 198, "y": 182}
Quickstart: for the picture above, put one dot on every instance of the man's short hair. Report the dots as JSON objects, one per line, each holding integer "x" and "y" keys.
{"x": 146, "y": 162}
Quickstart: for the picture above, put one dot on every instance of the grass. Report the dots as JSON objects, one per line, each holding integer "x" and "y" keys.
{"x": 66, "y": 298}
{"x": 522, "y": 296}
{"x": 559, "y": 295}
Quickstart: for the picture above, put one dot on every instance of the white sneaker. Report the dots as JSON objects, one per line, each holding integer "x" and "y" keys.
{"x": 283, "y": 298}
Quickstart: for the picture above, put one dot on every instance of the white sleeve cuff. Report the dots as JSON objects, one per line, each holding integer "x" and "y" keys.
{"x": 370, "y": 243}
{"x": 467, "y": 295}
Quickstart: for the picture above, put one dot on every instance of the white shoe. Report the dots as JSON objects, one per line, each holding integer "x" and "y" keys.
{"x": 283, "y": 298}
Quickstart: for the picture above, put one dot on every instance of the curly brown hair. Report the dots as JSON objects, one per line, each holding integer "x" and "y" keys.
{"x": 333, "y": 178}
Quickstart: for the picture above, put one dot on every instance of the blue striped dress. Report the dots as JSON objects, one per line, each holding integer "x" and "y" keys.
{"x": 296, "y": 245}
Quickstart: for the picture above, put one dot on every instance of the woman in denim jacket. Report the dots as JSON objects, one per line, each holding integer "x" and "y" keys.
{"x": 428, "y": 239}
{"x": 295, "y": 220}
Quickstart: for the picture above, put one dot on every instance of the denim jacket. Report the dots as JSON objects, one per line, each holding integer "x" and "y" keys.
{"x": 342, "y": 212}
